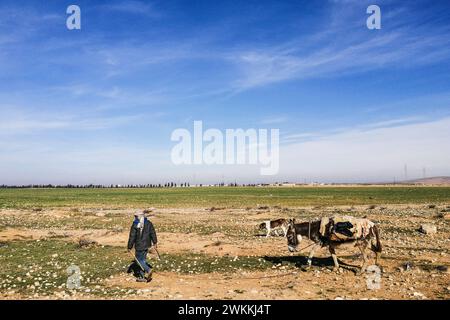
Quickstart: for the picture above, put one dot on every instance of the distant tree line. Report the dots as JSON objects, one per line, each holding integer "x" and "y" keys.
{"x": 98, "y": 186}
{"x": 111, "y": 186}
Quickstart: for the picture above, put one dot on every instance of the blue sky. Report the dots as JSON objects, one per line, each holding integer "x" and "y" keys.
{"x": 98, "y": 105}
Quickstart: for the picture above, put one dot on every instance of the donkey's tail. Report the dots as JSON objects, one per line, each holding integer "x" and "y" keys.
{"x": 377, "y": 247}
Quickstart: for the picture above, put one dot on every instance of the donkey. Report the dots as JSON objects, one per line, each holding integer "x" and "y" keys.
{"x": 311, "y": 230}
{"x": 274, "y": 225}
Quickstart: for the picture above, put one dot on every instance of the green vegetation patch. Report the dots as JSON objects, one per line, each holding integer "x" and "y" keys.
{"x": 39, "y": 268}
{"x": 63, "y": 223}
{"x": 238, "y": 197}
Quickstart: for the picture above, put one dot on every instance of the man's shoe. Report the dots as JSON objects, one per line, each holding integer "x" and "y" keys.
{"x": 141, "y": 280}
{"x": 148, "y": 275}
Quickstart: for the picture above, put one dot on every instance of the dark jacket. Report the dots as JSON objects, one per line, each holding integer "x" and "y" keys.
{"x": 144, "y": 240}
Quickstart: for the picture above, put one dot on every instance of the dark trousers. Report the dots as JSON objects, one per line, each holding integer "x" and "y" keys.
{"x": 141, "y": 256}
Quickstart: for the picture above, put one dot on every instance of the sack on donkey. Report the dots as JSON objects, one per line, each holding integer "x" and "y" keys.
{"x": 342, "y": 228}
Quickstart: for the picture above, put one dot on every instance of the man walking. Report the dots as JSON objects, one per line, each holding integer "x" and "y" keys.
{"x": 142, "y": 237}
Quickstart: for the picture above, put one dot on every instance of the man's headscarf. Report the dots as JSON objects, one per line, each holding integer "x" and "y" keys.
{"x": 140, "y": 215}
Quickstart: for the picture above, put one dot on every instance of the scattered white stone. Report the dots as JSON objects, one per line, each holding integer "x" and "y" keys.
{"x": 427, "y": 228}
{"x": 419, "y": 295}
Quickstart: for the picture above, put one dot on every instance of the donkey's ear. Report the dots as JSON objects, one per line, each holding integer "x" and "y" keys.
{"x": 293, "y": 220}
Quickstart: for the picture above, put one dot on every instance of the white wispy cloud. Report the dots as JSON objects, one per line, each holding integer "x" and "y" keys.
{"x": 264, "y": 67}
{"x": 133, "y": 7}
{"x": 274, "y": 120}
{"x": 376, "y": 154}
{"x": 393, "y": 122}
{"x": 293, "y": 138}
{"x": 16, "y": 121}
{"x": 343, "y": 46}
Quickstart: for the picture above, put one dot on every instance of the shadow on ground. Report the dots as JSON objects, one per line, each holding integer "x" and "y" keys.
{"x": 302, "y": 261}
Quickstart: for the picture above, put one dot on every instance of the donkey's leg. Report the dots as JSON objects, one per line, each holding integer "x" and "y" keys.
{"x": 333, "y": 255}
{"x": 362, "y": 246}
{"x": 377, "y": 257}
{"x": 268, "y": 233}
{"x": 377, "y": 254}
{"x": 311, "y": 254}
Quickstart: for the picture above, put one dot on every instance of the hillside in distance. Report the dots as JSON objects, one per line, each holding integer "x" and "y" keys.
{"x": 430, "y": 181}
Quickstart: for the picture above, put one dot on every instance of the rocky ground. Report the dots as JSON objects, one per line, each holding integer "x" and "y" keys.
{"x": 218, "y": 253}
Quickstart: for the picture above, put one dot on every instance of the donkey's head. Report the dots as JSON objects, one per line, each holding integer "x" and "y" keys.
{"x": 293, "y": 238}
